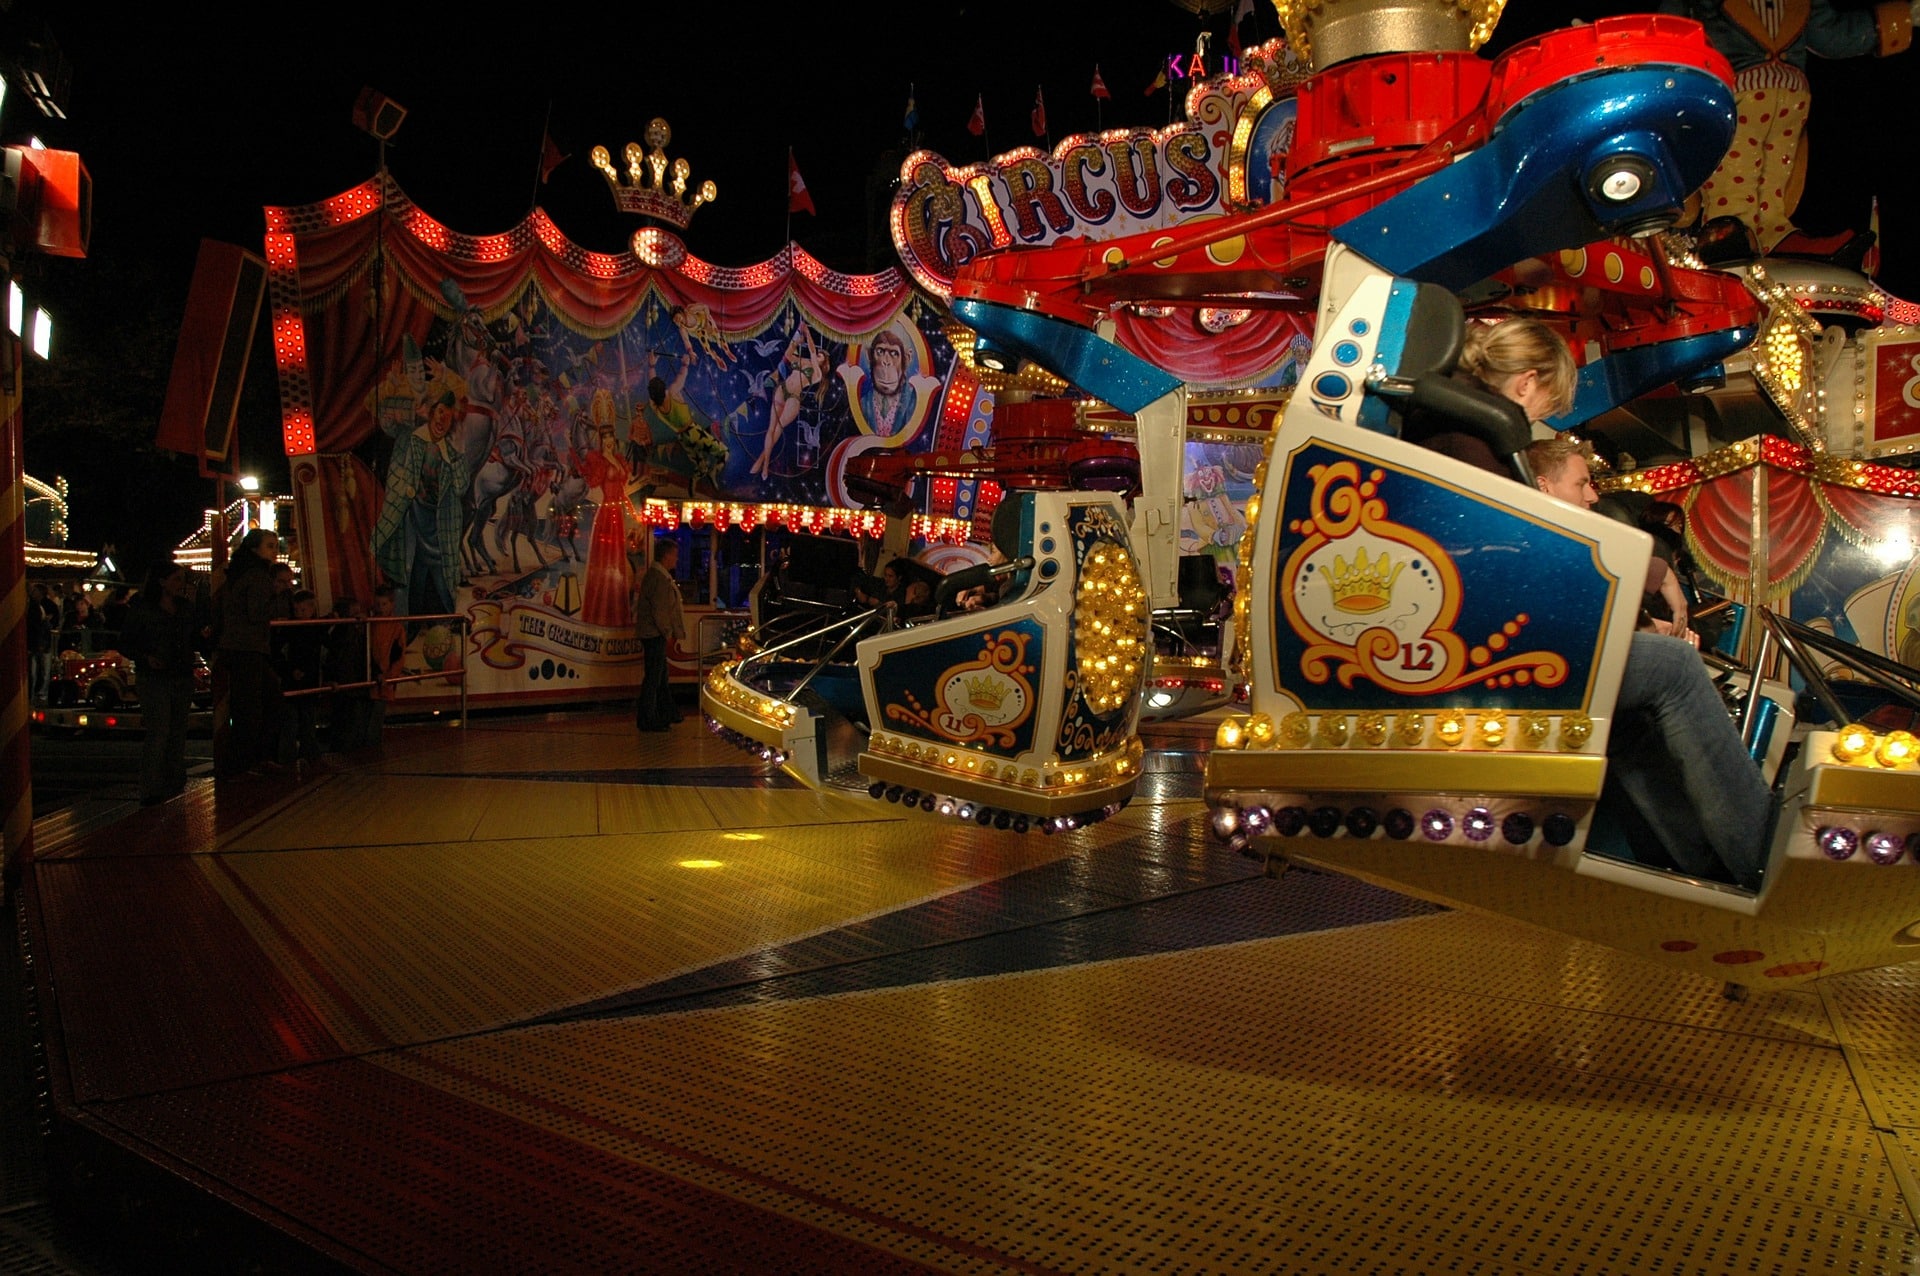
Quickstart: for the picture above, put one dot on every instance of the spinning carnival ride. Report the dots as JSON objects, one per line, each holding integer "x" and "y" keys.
{"x": 1433, "y": 658}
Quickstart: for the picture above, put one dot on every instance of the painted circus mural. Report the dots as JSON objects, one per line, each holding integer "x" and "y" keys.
{"x": 489, "y": 416}
{"x": 479, "y": 421}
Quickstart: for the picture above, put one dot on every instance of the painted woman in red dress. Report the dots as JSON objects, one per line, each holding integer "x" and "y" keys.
{"x": 609, "y": 576}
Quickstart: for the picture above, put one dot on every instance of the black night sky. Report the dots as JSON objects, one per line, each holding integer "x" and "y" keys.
{"x": 192, "y": 118}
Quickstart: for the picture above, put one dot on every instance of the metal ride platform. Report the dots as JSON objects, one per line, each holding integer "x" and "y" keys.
{"x": 554, "y": 996}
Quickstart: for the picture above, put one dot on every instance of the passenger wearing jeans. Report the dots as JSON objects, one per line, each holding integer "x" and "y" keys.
{"x": 1676, "y": 757}
{"x": 1674, "y": 754}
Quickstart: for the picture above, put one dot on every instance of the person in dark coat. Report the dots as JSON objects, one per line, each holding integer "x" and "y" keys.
{"x": 159, "y": 634}
{"x": 299, "y": 656}
{"x": 245, "y": 608}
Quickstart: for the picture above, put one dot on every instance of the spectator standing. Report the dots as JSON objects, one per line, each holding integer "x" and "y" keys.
{"x": 43, "y": 619}
{"x": 659, "y": 617}
{"x": 113, "y": 612}
{"x": 346, "y": 666}
{"x": 159, "y": 634}
{"x": 299, "y": 651}
{"x": 245, "y": 609}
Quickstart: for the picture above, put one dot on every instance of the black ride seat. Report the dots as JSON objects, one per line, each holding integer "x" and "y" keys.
{"x": 1436, "y": 404}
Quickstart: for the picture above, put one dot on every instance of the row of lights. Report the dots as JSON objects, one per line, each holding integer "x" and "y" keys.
{"x": 667, "y": 515}
{"x": 37, "y": 332}
{"x": 983, "y": 815}
{"x": 1781, "y": 454}
{"x": 1837, "y": 842}
{"x": 1086, "y": 774}
{"x": 1782, "y": 358}
{"x": 1238, "y": 826}
{"x": 741, "y": 740}
{"x": 722, "y": 686}
{"x": 1376, "y": 729}
{"x": 1858, "y": 745}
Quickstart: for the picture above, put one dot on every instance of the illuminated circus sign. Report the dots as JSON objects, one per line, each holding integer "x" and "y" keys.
{"x": 1102, "y": 186}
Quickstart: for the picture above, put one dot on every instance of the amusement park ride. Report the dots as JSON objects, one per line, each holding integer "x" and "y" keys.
{"x": 1431, "y": 660}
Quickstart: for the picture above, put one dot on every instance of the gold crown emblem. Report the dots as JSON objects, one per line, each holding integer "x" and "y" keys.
{"x": 654, "y": 187}
{"x": 986, "y": 693}
{"x": 1362, "y": 588}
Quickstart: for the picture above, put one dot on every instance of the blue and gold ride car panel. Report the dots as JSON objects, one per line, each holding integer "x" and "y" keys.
{"x": 1396, "y": 587}
{"x": 977, "y": 689}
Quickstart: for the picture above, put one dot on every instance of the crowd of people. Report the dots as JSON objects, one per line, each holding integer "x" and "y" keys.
{"x": 291, "y": 689}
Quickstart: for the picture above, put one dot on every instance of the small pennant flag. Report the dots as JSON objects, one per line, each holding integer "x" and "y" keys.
{"x": 1039, "y": 113}
{"x": 550, "y": 156}
{"x": 798, "y": 200}
{"x": 1099, "y": 85}
{"x": 1870, "y": 264}
{"x": 1159, "y": 82}
{"x": 977, "y": 125}
{"x": 912, "y": 119}
{"x": 1242, "y": 11}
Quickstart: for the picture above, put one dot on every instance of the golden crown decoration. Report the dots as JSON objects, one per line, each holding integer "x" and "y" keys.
{"x": 1361, "y": 588}
{"x": 986, "y": 693}
{"x": 1323, "y": 32}
{"x": 654, "y": 187}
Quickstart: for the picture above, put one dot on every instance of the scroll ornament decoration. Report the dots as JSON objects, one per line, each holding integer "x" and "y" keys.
{"x": 1378, "y": 600}
{"x": 984, "y": 700}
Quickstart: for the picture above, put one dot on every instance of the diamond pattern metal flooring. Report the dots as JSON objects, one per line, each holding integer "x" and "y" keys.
{"x": 542, "y": 998}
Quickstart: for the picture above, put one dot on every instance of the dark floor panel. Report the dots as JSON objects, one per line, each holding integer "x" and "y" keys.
{"x": 454, "y": 1186}
{"x": 1225, "y": 913}
{"x": 1157, "y": 891}
{"x": 1141, "y": 866}
{"x": 210, "y": 1002}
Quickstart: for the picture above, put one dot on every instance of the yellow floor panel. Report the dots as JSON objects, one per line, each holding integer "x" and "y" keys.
{"x": 604, "y": 744}
{"x": 1879, "y": 1011}
{"x": 1263, "y": 1107}
{"x": 1444, "y": 951}
{"x": 650, "y": 808}
{"x": 414, "y": 942}
{"x": 532, "y": 808}
{"x": 367, "y": 809}
{"x": 780, "y": 808}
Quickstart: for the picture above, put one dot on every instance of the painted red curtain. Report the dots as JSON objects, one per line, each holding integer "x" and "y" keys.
{"x": 1243, "y": 354}
{"x": 342, "y": 246}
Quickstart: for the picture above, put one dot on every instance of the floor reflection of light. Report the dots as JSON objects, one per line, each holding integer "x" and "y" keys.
{"x": 700, "y": 864}
{"x": 743, "y": 837}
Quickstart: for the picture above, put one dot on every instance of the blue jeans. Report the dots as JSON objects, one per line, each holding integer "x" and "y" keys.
{"x": 1676, "y": 757}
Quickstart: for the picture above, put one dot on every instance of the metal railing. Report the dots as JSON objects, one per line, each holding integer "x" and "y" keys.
{"x": 374, "y": 678}
{"x": 1800, "y": 643}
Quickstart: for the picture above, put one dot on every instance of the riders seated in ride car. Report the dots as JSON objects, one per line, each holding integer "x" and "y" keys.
{"x": 1518, "y": 359}
{"x": 1676, "y": 767}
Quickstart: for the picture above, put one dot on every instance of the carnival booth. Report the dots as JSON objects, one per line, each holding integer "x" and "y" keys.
{"x": 495, "y": 425}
